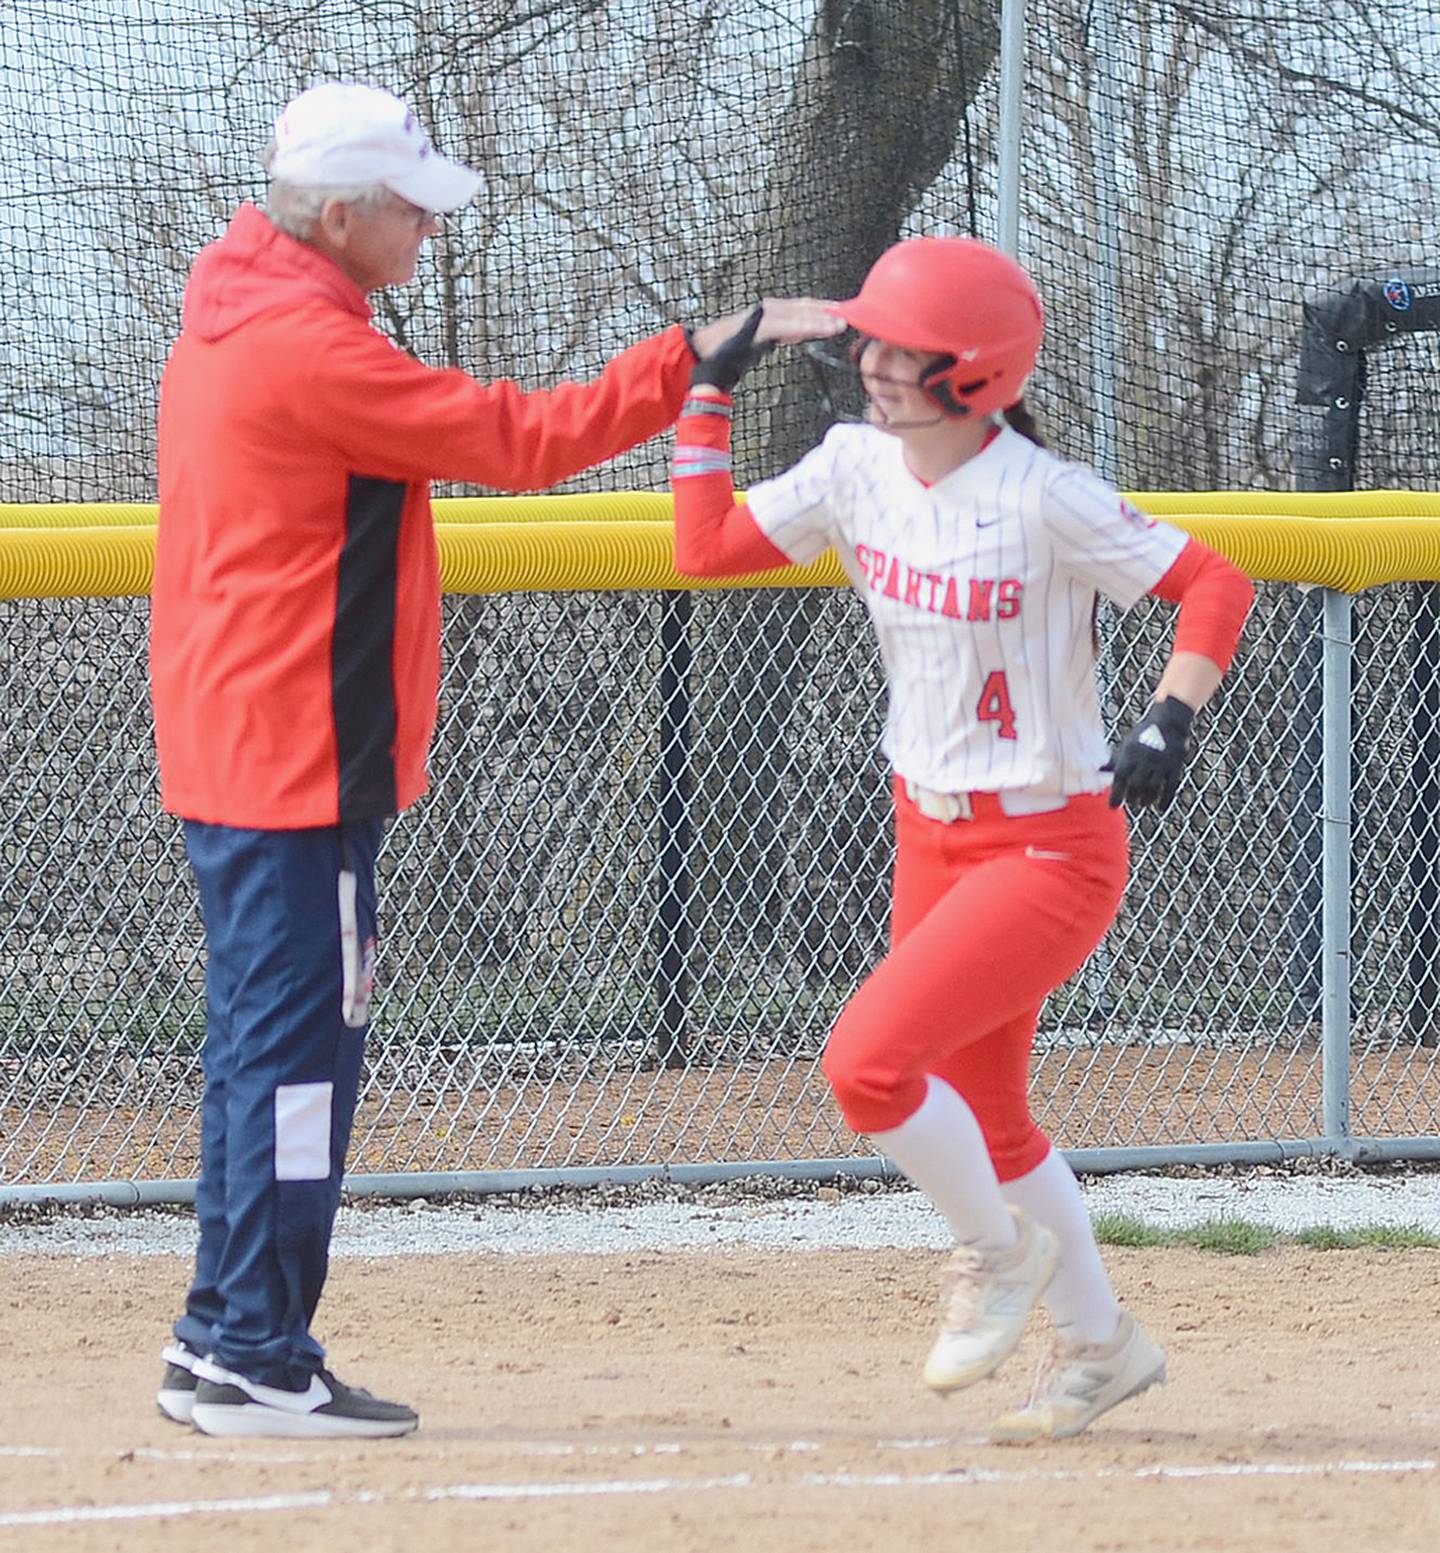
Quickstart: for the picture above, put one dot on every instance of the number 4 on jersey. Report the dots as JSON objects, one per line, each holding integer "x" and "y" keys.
{"x": 994, "y": 705}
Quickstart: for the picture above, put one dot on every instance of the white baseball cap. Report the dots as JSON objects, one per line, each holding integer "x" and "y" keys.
{"x": 341, "y": 133}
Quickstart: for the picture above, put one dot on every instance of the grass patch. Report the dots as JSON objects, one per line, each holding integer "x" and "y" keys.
{"x": 1375, "y": 1237}
{"x": 1119, "y": 1229}
{"x": 1230, "y": 1237}
{"x": 1241, "y": 1237}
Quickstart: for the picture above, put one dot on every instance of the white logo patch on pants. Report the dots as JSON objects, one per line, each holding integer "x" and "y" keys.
{"x": 302, "y": 1131}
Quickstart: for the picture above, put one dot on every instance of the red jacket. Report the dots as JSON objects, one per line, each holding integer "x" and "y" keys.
{"x": 295, "y": 621}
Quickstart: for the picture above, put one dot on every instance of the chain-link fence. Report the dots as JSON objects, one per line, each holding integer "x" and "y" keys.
{"x": 654, "y": 862}
{"x": 626, "y": 947}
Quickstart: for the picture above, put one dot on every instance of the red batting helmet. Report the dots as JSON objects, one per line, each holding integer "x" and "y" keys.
{"x": 966, "y": 301}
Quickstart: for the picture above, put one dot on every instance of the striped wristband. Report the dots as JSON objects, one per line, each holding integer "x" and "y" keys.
{"x": 696, "y": 405}
{"x": 690, "y": 461}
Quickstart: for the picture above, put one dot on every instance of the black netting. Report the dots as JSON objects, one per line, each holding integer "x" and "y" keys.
{"x": 1189, "y": 177}
{"x": 1399, "y": 431}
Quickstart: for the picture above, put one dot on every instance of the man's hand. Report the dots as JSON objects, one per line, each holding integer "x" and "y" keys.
{"x": 1149, "y": 761}
{"x": 729, "y": 361}
{"x": 783, "y": 321}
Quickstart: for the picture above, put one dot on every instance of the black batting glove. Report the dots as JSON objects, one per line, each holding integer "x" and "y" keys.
{"x": 732, "y": 359}
{"x": 1150, "y": 760}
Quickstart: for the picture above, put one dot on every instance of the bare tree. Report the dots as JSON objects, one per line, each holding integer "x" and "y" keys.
{"x": 1241, "y": 160}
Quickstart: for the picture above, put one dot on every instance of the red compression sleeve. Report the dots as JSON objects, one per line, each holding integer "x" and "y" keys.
{"x": 1214, "y": 597}
{"x": 714, "y": 537}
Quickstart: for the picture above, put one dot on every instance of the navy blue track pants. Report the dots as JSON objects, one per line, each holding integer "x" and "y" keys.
{"x": 290, "y": 933}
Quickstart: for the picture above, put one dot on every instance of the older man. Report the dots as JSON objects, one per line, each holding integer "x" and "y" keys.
{"x": 295, "y": 667}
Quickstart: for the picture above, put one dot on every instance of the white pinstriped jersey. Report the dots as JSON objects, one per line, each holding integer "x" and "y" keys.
{"x": 981, "y": 588}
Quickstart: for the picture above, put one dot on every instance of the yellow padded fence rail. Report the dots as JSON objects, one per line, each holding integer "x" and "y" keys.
{"x": 1345, "y": 540}
{"x": 67, "y": 563}
{"x": 78, "y": 515}
{"x": 1290, "y": 504}
{"x": 570, "y": 557}
{"x": 655, "y": 506}
{"x": 588, "y": 506}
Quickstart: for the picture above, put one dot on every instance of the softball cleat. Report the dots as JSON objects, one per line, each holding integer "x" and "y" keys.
{"x": 988, "y": 1297}
{"x": 1080, "y": 1381}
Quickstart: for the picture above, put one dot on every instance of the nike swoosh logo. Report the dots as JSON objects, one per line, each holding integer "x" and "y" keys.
{"x": 990, "y": 522}
{"x": 1041, "y": 855}
{"x": 316, "y": 1394}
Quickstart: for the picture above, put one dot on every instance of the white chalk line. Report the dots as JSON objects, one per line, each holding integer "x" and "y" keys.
{"x": 569, "y": 1490}
{"x": 964, "y": 1477}
{"x": 324, "y": 1499}
{"x": 74, "y": 1515}
{"x": 139, "y": 1453}
{"x": 544, "y": 1449}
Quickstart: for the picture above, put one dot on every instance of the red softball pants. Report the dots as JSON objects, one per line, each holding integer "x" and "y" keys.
{"x": 990, "y": 915}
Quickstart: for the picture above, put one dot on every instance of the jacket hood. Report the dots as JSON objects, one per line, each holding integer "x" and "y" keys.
{"x": 255, "y": 268}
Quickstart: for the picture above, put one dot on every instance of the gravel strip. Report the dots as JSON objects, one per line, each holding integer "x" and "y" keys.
{"x": 794, "y": 1216}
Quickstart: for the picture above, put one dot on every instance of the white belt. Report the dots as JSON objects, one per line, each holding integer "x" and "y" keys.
{"x": 949, "y": 807}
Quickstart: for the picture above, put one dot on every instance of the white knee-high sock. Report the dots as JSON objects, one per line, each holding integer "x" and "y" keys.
{"x": 942, "y": 1150}
{"x": 1080, "y": 1299}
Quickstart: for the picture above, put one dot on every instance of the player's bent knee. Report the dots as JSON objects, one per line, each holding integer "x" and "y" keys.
{"x": 1017, "y": 1155}
{"x": 871, "y": 1097}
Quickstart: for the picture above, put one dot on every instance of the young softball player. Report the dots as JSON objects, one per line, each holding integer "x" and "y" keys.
{"x": 980, "y": 556}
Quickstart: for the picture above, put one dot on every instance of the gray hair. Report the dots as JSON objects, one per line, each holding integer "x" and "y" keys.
{"x": 294, "y": 208}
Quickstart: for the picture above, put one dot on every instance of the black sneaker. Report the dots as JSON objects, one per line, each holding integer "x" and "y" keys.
{"x": 229, "y": 1404}
{"x": 176, "y": 1397}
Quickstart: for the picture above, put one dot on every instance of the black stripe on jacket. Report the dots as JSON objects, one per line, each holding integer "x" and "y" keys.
{"x": 362, "y": 655}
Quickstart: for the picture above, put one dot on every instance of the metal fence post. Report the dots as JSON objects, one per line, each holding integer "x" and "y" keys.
{"x": 1424, "y": 1011}
{"x": 672, "y": 918}
{"x": 1106, "y": 353}
{"x": 1335, "y": 871}
{"x": 1305, "y": 797}
{"x": 1008, "y": 130}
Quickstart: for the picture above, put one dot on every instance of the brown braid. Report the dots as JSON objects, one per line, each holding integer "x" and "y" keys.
{"x": 1018, "y": 417}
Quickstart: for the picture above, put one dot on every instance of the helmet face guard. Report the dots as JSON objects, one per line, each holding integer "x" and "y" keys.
{"x": 837, "y": 379}
{"x": 954, "y": 399}
{"x": 841, "y": 387}
{"x": 969, "y": 304}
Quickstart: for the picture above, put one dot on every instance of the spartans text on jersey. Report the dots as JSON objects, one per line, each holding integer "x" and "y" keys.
{"x": 961, "y": 598}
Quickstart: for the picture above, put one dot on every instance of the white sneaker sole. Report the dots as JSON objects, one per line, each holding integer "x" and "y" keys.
{"x": 1030, "y": 1425}
{"x": 253, "y": 1420}
{"x": 177, "y": 1406}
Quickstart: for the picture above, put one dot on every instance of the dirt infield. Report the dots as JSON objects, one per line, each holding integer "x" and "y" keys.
{"x": 740, "y": 1400}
